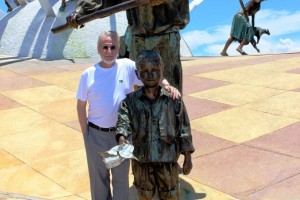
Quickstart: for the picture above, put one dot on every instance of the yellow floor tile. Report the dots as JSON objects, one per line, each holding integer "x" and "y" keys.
{"x": 67, "y": 80}
{"x": 42, "y": 142}
{"x": 34, "y": 68}
{"x": 39, "y": 95}
{"x": 6, "y": 74}
{"x": 20, "y": 119}
{"x": 240, "y": 124}
{"x": 85, "y": 195}
{"x": 27, "y": 181}
{"x": 277, "y": 80}
{"x": 68, "y": 170}
{"x": 194, "y": 62}
{"x": 7, "y": 160}
{"x": 74, "y": 124}
{"x": 284, "y": 81}
{"x": 275, "y": 66}
{"x": 291, "y": 60}
{"x": 203, "y": 60}
{"x": 286, "y": 104}
{"x": 236, "y": 94}
{"x": 62, "y": 111}
{"x": 235, "y": 75}
{"x": 70, "y": 198}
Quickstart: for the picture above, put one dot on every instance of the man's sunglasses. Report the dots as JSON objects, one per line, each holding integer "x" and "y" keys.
{"x": 113, "y": 47}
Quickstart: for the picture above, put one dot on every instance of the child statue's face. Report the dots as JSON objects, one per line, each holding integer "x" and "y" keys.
{"x": 150, "y": 74}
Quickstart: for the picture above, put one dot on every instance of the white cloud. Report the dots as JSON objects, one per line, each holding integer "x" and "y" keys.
{"x": 194, "y": 4}
{"x": 197, "y": 38}
{"x": 283, "y": 45}
{"x": 278, "y": 22}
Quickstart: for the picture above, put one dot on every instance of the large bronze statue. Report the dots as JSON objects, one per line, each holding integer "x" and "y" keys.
{"x": 241, "y": 30}
{"x": 154, "y": 25}
{"x": 160, "y": 131}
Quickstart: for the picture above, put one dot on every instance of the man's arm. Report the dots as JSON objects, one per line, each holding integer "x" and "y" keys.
{"x": 244, "y": 10}
{"x": 85, "y": 7}
{"x": 82, "y": 116}
{"x": 253, "y": 19}
{"x": 173, "y": 92}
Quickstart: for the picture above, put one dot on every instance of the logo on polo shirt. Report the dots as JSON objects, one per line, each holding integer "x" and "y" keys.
{"x": 120, "y": 81}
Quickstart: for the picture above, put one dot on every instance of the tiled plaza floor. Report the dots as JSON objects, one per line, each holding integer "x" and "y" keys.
{"x": 244, "y": 111}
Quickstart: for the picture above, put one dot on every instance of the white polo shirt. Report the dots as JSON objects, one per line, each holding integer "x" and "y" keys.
{"x": 105, "y": 88}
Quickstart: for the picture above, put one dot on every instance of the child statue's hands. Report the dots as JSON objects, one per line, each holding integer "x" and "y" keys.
{"x": 187, "y": 164}
{"x": 122, "y": 140}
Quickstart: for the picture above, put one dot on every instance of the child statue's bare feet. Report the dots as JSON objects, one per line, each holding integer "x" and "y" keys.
{"x": 241, "y": 52}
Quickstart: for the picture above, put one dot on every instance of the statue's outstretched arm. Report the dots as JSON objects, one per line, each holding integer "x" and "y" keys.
{"x": 79, "y": 21}
{"x": 244, "y": 10}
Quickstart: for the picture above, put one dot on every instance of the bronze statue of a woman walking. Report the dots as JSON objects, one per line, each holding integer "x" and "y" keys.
{"x": 241, "y": 29}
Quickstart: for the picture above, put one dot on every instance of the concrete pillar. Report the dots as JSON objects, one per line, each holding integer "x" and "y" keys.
{"x": 113, "y": 22}
{"x": 22, "y": 2}
{"x": 2, "y": 14}
{"x": 47, "y": 8}
{"x": 12, "y": 4}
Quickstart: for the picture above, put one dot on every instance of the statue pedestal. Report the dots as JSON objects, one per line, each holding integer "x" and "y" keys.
{"x": 47, "y": 8}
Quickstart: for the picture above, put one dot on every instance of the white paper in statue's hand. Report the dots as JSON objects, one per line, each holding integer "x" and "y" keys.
{"x": 116, "y": 155}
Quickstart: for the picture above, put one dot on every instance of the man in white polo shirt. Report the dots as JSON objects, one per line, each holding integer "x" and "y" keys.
{"x": 103, "y": 86}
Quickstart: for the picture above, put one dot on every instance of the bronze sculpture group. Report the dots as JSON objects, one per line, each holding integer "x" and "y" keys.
{"x": 157, "y": 125}
{"x": 241, "y": 29}
{"x": 154, "y": 26}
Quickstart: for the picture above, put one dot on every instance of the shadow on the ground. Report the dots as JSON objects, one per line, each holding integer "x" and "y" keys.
{"x": 187, "y": 192}
{"x": 12, "y": 60}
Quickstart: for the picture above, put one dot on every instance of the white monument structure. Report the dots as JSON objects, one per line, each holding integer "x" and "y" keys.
{"x": 1, "y": 14}
{"x": 26, "y": 32}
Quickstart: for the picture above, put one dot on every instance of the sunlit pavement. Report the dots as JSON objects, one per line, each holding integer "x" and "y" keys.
{"x": 244, "y": 113}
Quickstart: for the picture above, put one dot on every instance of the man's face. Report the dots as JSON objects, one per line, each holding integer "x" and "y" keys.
{"x": 150, "y": 74}
{"x": 108, "y": 50}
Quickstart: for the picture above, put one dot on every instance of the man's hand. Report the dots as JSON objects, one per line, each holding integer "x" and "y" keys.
{"x": 187, "y": 164}
{"x": 72, "y": 20}
{"x": 173, "y": 92}
{"x": 155, "y": 2}
{"x": 86, "y": 130}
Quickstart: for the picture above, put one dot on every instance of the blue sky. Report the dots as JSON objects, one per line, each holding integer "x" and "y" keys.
{"x": 210, "y": 24}
{"x": 2, "y": 6}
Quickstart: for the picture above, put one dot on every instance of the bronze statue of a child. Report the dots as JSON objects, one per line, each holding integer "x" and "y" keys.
{"x": 160, "y": 131}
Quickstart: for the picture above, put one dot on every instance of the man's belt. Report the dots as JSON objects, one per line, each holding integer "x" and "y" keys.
{"x": 101, "y": 129}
